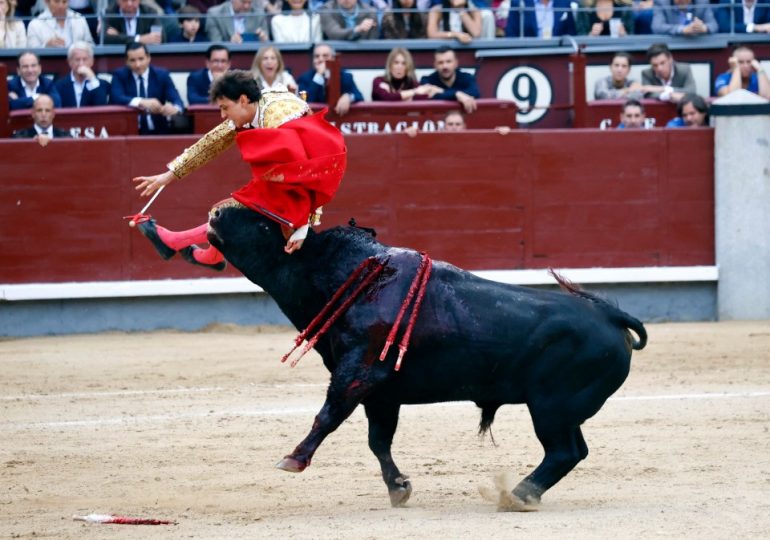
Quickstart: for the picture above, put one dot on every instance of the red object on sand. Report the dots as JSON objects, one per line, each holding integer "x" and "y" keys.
{"x": 121, "y": 520}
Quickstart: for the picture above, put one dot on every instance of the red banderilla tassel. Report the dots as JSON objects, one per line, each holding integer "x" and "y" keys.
{"x": 417, "y": 287}
{"x": 341, "y": 309}
{"x": 325, "y": 311}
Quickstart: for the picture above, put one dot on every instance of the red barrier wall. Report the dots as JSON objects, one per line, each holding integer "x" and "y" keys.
{"x": 481, "y": 200}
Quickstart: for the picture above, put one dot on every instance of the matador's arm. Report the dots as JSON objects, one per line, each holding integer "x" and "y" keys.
{"x": 206, "y": 149}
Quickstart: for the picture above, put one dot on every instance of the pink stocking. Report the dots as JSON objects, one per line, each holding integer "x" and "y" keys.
{"x": 209, "y": 255}
{"x": 182, "y": 239}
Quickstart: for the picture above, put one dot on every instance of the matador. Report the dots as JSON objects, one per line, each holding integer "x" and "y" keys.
{"x": 297, "y": 162}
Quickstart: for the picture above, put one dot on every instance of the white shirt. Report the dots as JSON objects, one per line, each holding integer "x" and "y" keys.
{"x": 288, "y": 28}
{"x": 31, "y": 92}
{"x": 239, "y": 21}
{"x": 130, "y": 23}
{"x": 282, "y": 82}
{"x": 135, "y": 101}
{"x": 41, "y": 131}
{"x": 91, "y": 84}
{"x": 748, "y": 16}
{"x": 544, "y": 17}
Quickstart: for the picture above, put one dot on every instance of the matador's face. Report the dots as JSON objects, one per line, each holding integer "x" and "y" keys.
{"x": 240, "y": 112}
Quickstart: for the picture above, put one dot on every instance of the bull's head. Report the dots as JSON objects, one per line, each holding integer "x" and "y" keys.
{"x": 246, "y": 238}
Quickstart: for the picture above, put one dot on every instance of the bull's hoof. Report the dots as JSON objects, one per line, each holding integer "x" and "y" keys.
{"x": 506, "y": 499}
{"x": 401, "y": 494}
{"x": 290, "y": 464}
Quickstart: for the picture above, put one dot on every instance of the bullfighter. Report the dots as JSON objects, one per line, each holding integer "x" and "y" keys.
{"x": 297, "y": 162}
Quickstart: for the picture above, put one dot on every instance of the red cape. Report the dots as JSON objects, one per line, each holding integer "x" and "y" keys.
{"x": 295, "y": 168}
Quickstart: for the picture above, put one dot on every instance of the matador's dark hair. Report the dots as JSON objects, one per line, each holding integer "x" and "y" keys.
{"x": 234, "y": 84}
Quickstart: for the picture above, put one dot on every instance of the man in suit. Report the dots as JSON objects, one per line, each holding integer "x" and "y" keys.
{"x": 199, "y": 82}
{"x": 236, "y": 21}
{"x": 542, "y": 18}
{"x": 129, "y": 22}
{"x": 81, "y": 87}
{"x": 148, "y": 89}
{"x": 665, "y": 79}
{"x": 747, "y": 17}
{"x": 683, "y": 18}
{"x": 28, "y": 84}
{"x": 42, "y": 129}
{"x": 348, "y": 20}
{"x": 314, "y": 81}
{"x": 450, "y": 83}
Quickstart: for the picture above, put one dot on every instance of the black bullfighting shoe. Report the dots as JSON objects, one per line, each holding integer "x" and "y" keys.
{"x": 187, "y": 254}
{"x": 150, "y": 232}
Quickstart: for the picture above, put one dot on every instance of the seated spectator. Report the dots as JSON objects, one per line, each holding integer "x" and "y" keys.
{"x": 189, "y": 27}
{"x": 295, "y": 25}
{"x": 57, "y": 26}
{"x": 401, "y": 25}
{"x": 28, "y": 84}
{"x": 632, "y": 115}
{"x": 269, "y": 70}
{"x": 665, "y": 79}
{"x": 12, "y": 32}
{"x": 744, "y": 17}
{"x": 693, "y": 111}
{"x": 452, "y": 83}
{"x": 745, "y": 72}
{"x": 314, "y": 81}
{"x": 42, "y": 129}
{"x": 454, "y": 121}
{"x": 81, "y": 87}
{"x": 546, "y": 19}
{"x": 399, "y": 82}
{"x": 617, "y": 85}
{"x": 348, "y": 20}
{"x": 643, "y": 10}
{"x": 606, "y": 18}
{"x": 147, "y": 88}
{"x": 683, "y": 18}
{"x": 237, "y": 21}
{"x": 454, "y": 19}
{"x": 129, "y": 22}
{"x": 199, "y": 81}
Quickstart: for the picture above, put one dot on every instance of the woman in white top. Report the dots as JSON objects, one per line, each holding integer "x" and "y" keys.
{"x": 454, "y": 19}
{"x": 12, "y": 33}
{"x": 269, "y": 71}
{"x": 57, "y": 26}
{"x": 294, "y": 25}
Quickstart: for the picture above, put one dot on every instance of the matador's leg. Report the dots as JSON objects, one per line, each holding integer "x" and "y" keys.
{"x": 167, "y": 243}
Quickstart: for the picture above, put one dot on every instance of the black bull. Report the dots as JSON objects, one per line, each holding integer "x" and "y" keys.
{"x": 563, "y": 354}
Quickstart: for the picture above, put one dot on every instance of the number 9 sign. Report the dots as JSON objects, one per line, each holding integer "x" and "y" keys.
{"x": 530, "y": 89}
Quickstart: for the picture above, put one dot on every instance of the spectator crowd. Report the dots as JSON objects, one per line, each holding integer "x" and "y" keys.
{"x": 59, "y": 23}
{"x": 137, "y": 25}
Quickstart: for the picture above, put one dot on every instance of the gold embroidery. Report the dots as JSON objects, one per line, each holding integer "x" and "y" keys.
{"x": 227, "y": 203}
{"x": 207, "y": 148}
{"x": 277, "y": 108}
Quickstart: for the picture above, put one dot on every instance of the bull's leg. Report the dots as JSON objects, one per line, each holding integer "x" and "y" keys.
{"x": 383, "y": 420}
{"x": 564, "y": 448}
{"x": 351, "y": 383}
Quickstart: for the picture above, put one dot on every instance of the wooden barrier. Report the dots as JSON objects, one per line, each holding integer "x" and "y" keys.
{"x": 382, "y": 117}
{"x": 480, "y": 200}
{"x": 598, "y": 112}
{"x": 87, "y": 122}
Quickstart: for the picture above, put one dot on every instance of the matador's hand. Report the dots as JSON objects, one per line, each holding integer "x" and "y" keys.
{"x": 151, "y": 184}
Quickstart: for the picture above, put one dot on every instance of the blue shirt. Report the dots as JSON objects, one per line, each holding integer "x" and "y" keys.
{"x": 724, "y": 80}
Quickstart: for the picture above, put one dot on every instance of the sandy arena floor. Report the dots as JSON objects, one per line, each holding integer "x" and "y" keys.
{"x": 188, "y": 427}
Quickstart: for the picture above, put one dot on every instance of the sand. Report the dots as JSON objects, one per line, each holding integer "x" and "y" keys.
{"x": 189, "y": 426}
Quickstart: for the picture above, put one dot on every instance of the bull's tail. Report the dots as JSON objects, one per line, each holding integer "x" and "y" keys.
{"x": 488, "y": 411}
{"x": 616, "y": 314}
